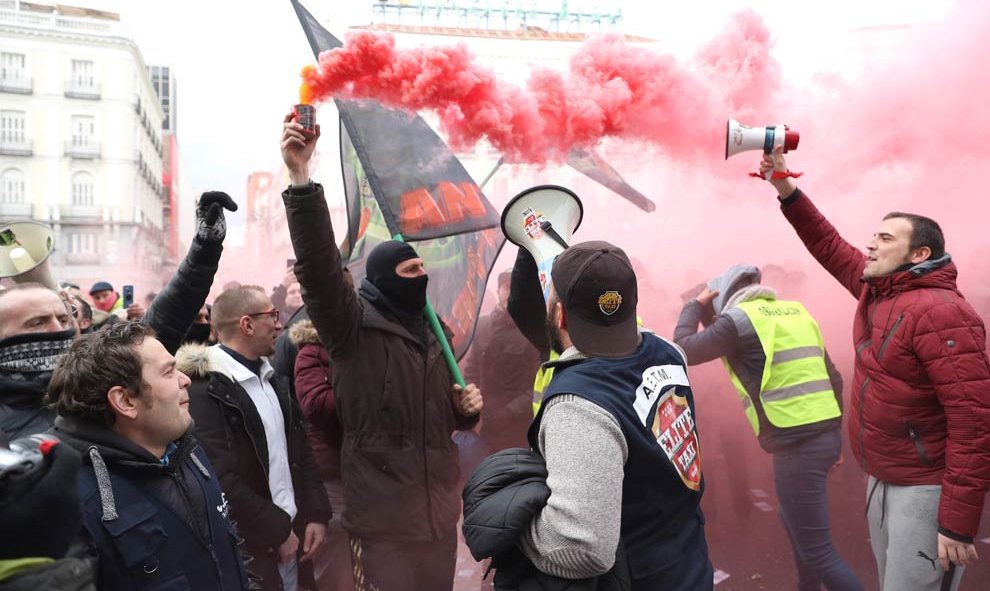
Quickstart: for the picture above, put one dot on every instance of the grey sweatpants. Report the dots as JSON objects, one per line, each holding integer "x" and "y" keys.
{"x": 904, "y": 535}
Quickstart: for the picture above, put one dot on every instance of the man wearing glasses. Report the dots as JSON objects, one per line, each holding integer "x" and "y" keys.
{"x": 252, "y": 431}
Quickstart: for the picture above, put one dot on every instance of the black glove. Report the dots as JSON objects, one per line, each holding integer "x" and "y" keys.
{"x": 211, "y": 226}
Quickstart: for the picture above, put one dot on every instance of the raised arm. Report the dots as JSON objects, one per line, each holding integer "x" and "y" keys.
{"x": 175, "y": 308}
{"x": 330, "y": 299}
{"x": 842, "y": 260}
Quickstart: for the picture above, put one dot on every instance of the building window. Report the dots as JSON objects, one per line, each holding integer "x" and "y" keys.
{"x": 82, "y": 243}
{"x": 82, "y": 73}
{"x": 83, "y": 130}
{"x": 11, "y": 127}
{"x": 82, "y": 189}
{"x": 12, "y": 186}
{"x": 11, "y": 65}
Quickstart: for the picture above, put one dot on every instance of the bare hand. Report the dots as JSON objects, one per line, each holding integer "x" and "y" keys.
{"x": 297, "y": 149}
{"x": 467, "y": 400}
{"x": 135, "y": 312}
{"x": 951, "y": 551}
{"x": 775, "y": 162}
{"x": 316, "y": 534}
{"x": 706, "y": 296}
{"x": 289, "y": 278}
{"x": 288, "y": 548}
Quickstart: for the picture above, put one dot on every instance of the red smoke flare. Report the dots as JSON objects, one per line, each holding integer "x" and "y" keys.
{"x": 612, "y": 89}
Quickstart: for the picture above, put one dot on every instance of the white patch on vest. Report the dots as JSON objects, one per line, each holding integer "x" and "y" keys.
{"x": 672, "y": 422}
{"x": 655, "y": 380}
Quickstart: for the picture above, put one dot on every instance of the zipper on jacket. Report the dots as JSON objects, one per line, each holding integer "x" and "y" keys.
{"x": 177, "y": 477}
{"x": 426, "y": 460}
{"x": 918, "y": 445}
{"x": 254, "y": 443}
{"x": 862, "y": 427}
{"x": 890, "y": 336}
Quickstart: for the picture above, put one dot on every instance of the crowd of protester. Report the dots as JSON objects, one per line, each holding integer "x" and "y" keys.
{"x": 313, "y": 438}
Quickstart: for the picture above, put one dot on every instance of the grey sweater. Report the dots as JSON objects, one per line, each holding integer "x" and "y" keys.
{"x": 576, "y": 535}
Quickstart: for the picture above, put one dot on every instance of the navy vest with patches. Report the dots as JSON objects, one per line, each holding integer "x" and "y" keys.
{"x": 148, "y": 546}
{"x": 650, "y": 397}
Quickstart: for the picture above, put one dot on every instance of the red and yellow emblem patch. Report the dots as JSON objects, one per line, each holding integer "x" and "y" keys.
{"x": 609, "y": 302}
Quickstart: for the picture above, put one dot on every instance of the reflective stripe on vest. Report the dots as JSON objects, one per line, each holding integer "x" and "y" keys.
{"x": 795, "y": 388}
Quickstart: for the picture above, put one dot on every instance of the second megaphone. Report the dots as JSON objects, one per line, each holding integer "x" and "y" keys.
{"x": 24, "y": 250}
{"x": 743, "y": 138}
{"x": 542, "y": 220}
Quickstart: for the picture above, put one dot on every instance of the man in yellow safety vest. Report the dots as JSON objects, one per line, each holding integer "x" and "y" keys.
{"x": 792, "y": 396}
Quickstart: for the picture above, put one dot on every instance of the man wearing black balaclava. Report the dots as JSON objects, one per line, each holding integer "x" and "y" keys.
{"x": 395, "y": 399}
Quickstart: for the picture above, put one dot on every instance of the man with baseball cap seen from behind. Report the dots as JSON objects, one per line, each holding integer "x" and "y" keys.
{"x": 617, "y": 431}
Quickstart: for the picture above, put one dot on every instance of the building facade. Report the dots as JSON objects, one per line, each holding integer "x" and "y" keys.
{"x": 81, "y": 145}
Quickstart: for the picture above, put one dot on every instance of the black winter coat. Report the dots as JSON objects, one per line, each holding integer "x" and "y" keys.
{"x": 229, "y": 428}
{"x": 501, "y": 498}
{"x": 393, "y": 392}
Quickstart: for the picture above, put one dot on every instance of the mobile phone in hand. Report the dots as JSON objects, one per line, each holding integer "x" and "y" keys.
{"x": 128, "y": 294}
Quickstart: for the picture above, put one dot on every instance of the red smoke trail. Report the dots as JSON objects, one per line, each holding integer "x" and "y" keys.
{"x": 612, "y": 89}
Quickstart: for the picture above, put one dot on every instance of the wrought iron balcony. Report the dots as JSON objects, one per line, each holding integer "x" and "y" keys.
{"x": 81, "y": 89}
{"x": 16, "y": 84}
{"x": 82, "y": 150}
{"x": 16, "y": 147}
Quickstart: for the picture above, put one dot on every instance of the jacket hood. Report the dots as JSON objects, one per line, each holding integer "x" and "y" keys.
{"x": 113, "y": 448}
{"x": 938, "y": 274}
{"x": 304, "y": 333}
{"x": 196, "y": 361}
{"x": 728, "y": 283}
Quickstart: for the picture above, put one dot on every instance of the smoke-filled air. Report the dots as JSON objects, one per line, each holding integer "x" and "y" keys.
{"x": 611, "y": 89}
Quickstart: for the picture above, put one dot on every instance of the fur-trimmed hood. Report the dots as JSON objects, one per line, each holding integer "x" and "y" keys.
{"x": 196, "y": 361}
{"x": 303, "y": 333}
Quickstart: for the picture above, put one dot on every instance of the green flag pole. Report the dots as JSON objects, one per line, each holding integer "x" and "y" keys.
{"x": 434, "y": 322}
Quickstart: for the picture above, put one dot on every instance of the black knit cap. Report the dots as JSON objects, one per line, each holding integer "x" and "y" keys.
{"x": 597, "y": 286}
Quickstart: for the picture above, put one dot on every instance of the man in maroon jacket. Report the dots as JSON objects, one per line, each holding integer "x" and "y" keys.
{"x": 920, "y": 419}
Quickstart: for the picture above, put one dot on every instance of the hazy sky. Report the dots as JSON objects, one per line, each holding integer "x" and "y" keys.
{"x": 237, "y": 63}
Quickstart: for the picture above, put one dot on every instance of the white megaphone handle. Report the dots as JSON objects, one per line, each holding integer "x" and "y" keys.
{"x": 779, "y": 137}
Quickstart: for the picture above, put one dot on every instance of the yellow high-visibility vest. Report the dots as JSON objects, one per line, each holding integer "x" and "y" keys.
{"x": 795, "y": 388}
{"x": 543, "y": 377}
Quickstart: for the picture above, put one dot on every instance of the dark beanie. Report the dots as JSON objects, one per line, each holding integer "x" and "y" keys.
{"x": 39, "y": 503}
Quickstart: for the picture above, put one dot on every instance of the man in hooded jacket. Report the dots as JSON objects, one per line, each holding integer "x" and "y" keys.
{"x": 792, "y": 396}
{"x": 395, "y": 400}
{"x": 920, "y": 420}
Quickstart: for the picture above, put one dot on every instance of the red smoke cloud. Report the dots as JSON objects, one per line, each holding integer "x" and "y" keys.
{"x": 612, "y": 89}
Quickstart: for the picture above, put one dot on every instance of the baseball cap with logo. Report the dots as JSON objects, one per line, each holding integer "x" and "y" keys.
{"x": 597, "y": 286}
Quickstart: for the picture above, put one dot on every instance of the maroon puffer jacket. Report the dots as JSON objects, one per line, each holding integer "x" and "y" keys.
{"x": 315, "y": 395}
{"x": 921, "y": 394}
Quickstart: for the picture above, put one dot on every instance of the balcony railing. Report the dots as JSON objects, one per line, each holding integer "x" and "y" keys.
{"x": 15, "y": 210}
{"x": 90, "y": 26}
{"x": 83, "y": 151}
{"x": 82, "y": 258}
{"x": 83, "y": 90}
{"x": 16, "y": 84}
{"x": 81, "y": 212}
{"x": 16, "y": 147}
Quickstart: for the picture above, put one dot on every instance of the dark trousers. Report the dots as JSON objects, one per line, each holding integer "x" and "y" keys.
{"x": 799, "y": 475}
{"x": 386, "y": 565}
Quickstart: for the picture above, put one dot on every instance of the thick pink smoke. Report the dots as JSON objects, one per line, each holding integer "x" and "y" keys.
{"x": 611, "y": 89}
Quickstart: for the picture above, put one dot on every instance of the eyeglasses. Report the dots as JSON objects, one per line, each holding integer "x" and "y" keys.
{"x": 273, "y": 313}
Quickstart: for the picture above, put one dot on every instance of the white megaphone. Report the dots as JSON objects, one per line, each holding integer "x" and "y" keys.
{"x": 542, "y": 220}
{"x": 24, "y": 250}
{"x": 743, "y": 138}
